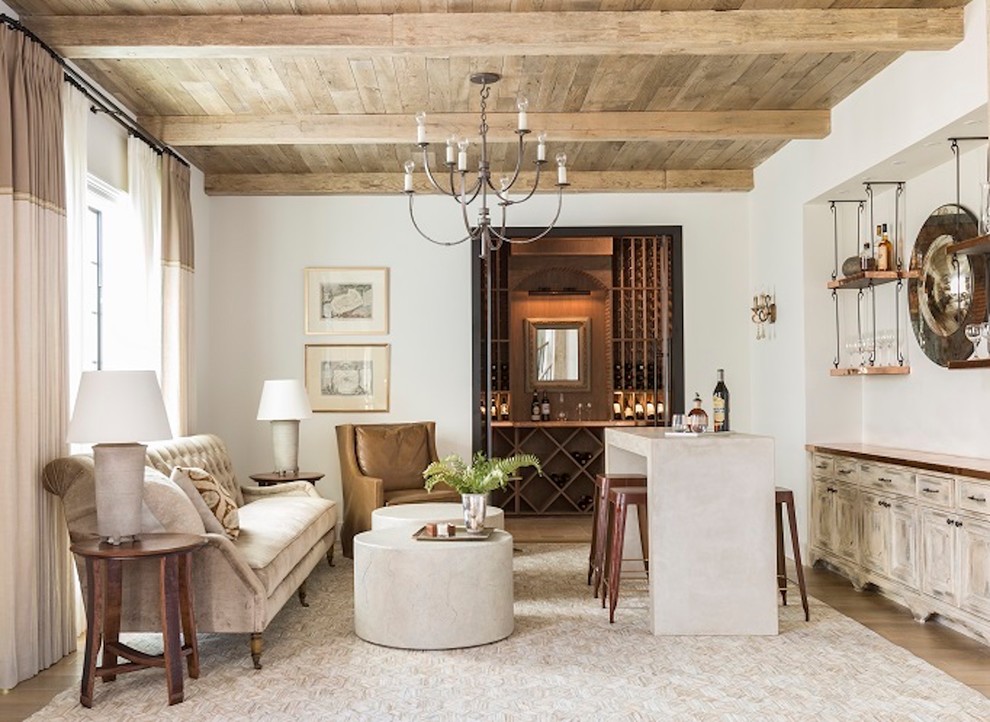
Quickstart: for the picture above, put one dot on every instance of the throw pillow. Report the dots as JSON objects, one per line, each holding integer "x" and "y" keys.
{"x": 214, "y": 503}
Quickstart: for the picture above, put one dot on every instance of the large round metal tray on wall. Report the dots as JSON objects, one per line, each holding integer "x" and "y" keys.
{"x": 950, "y": 290}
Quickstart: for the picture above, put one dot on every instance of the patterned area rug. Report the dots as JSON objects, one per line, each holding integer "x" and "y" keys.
{"x": 563, "y": 662}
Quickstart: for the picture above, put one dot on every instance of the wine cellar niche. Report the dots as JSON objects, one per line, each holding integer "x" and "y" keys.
{"x": 585, "y": 334}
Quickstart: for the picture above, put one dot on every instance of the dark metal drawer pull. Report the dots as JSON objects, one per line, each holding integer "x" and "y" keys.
{"x": 980, "y": 499}
{"x": 930, "y": 491}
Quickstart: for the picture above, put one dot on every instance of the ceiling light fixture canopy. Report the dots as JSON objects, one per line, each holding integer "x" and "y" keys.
{"x": 488, "y": 237}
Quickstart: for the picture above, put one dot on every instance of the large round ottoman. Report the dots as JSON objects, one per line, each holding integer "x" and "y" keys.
{"x": 413, "y": 516}
{"x": 432, "y": 594}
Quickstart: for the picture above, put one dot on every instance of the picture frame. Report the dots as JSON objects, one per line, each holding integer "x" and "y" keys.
{"x": 346, "y": 301}
{"x": 347, "y": 377}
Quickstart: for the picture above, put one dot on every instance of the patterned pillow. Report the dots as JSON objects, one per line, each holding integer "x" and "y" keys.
{"x": 213, "y": 496}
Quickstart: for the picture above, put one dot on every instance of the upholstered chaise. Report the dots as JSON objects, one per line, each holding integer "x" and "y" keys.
{"x": 239, "y": 584}
{"x": 383, "y": 464}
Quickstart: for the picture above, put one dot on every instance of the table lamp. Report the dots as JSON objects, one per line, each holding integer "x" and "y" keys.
{"x": 284, "y": 402}
{"x": 115, "y": 410}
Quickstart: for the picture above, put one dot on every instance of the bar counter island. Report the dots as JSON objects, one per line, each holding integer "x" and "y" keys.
{"x": 711, "y": 527}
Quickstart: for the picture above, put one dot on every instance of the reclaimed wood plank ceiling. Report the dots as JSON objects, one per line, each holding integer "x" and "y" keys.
{"x": 318, "y": 96}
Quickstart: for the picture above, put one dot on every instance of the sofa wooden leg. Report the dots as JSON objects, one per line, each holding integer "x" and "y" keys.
{"x": 302, "y": 594}
{"x": 256, "y": 644}
{"x": 330, "y": 555}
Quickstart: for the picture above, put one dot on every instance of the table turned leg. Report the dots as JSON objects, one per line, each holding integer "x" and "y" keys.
{"x": 95, "y": 599}
{"x": 169, "y": 588}
{"x": 188, "y": 612}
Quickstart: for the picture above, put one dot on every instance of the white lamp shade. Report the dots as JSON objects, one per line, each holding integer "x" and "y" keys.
{"x": 118, "y": 407}
{"x": 283, "y": 399}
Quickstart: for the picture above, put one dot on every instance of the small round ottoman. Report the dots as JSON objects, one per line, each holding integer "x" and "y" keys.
{"x": 413, "y": 516}
{"x": 432, "y": 594}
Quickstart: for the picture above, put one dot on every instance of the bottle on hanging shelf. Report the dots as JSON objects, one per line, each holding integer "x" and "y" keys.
{"x": 866, "y": 260}
{"x": 545, "y": 407}
{"x": 890, "y": 263}
{"x": 720, "y": 404}
{"x": 535, "y": 412}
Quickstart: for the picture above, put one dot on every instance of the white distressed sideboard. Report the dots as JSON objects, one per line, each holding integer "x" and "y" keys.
{"x": 914, "y": 525}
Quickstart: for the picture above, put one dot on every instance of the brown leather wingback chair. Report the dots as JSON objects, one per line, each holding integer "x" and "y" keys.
{"x": 382, "y": 464}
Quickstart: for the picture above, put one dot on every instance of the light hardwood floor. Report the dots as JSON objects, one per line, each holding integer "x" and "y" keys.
{"x": 957, "y": 655}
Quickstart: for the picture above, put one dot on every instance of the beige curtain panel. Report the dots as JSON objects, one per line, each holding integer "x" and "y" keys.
{"x": 36, "y": 594}
{"x": 177, "y": 289}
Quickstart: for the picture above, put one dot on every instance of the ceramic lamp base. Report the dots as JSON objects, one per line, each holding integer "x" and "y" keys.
{"x": 285, "y": 444}
{"x": 119, "y": 480}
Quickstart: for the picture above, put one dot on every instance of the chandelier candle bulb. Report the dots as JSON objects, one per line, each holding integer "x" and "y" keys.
{"x": 451, "y": 144}
{"x": 462, "y": 147}
{"x": 522, "y": 104}
{"x": 561, "y": 169}
{"x": 408, "y": 181}
{"x": 541, "y": 149}
{"x": 421, "y": 127}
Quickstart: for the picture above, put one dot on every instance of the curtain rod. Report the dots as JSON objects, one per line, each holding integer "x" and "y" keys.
{"x": 102, "y": 104}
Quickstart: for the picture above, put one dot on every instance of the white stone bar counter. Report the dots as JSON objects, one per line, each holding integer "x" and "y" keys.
{"x": 413, "y": 516}
{"x": 711, "y": 521}
{"x": 432, "y": 594}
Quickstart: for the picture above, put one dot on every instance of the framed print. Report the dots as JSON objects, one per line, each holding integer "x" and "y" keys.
{"x": 347, "y": 377}
{"x": 346, "y": 301}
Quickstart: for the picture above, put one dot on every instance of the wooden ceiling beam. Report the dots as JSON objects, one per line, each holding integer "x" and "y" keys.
{"x": 288, "y": 184}
{"x": 200, "y": 130}
{"x": 532, "y": 33}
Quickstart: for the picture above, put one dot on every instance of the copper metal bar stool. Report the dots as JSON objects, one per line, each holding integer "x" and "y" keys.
{"x": 785, "y": 497}
{"x": 619, "y": 500}
{"x": 599, "y": 528}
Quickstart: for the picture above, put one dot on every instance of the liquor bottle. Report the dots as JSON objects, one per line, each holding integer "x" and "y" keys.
{"x": 866, "y": 260}
{"x": 545, "y": 408}
{"x": 534, "y": 413}
{"x": 720, "y": 403}
{"x": 888, "y": 250}
{"x": 504, "y": 408}
{"x": 697, "y": 417}
{"x": 883, "y": 264}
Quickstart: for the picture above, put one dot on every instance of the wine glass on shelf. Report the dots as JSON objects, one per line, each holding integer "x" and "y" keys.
{"x": 974, "y": 332}
{"x": 885, "y": 340}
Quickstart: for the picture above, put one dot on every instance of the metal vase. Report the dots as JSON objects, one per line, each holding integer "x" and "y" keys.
{"x": 475, "y": 508}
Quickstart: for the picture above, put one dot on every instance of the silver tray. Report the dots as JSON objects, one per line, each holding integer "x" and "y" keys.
{"x": 460, "y": 534}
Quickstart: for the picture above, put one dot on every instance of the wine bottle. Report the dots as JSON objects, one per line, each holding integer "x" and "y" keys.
{"x": 640, "y": 412}
{"x": 545, "y": 408}
{"x": 650, "y": 410}
{"x": 504, "y": 408}
{"x": 866, "y": 260}
{"x": 627, "y": 413}
{"x": 720, "y": 403}
{"x": 616, "y": 410}
{"x": 534, "y": 413}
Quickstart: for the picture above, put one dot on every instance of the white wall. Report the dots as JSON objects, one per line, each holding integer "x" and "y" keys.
{"x": 794, "y": 398}
{"x": 258, "y": 248}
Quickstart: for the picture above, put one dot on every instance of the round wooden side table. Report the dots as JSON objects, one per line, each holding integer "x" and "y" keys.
{"x": 273, "y": 477}
{"x": 103, "y": 602}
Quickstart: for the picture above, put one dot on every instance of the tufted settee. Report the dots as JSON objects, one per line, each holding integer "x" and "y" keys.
{"x": 239, "y": 584}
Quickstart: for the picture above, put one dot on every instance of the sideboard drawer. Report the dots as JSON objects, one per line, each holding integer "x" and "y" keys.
{"x": 845, "y": 470}
{"x": 935, "y": 490}
{"x": 887, "y": 478}
{"x": 822, "y": 465}
{"x": 974, "y": 496}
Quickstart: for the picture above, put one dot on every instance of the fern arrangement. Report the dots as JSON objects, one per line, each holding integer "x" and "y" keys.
{"x": 481, "y": 476}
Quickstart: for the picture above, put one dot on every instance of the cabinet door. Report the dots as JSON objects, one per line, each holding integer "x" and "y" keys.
{"x": 876, "y": 530}
{"x": 903, "y": 549}
{"x": 846, "y": 525}
{"x": 974, "y": 555}
{"x": 823, "y": 515}
{"x": 938, "y": 555}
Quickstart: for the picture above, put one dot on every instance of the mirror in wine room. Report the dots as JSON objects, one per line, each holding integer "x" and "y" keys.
{"x": 557, "y": 354}
{"x": 585, "y": 333}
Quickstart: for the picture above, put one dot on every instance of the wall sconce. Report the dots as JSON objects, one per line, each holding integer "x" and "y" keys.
{"x": 764, "y": 313}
